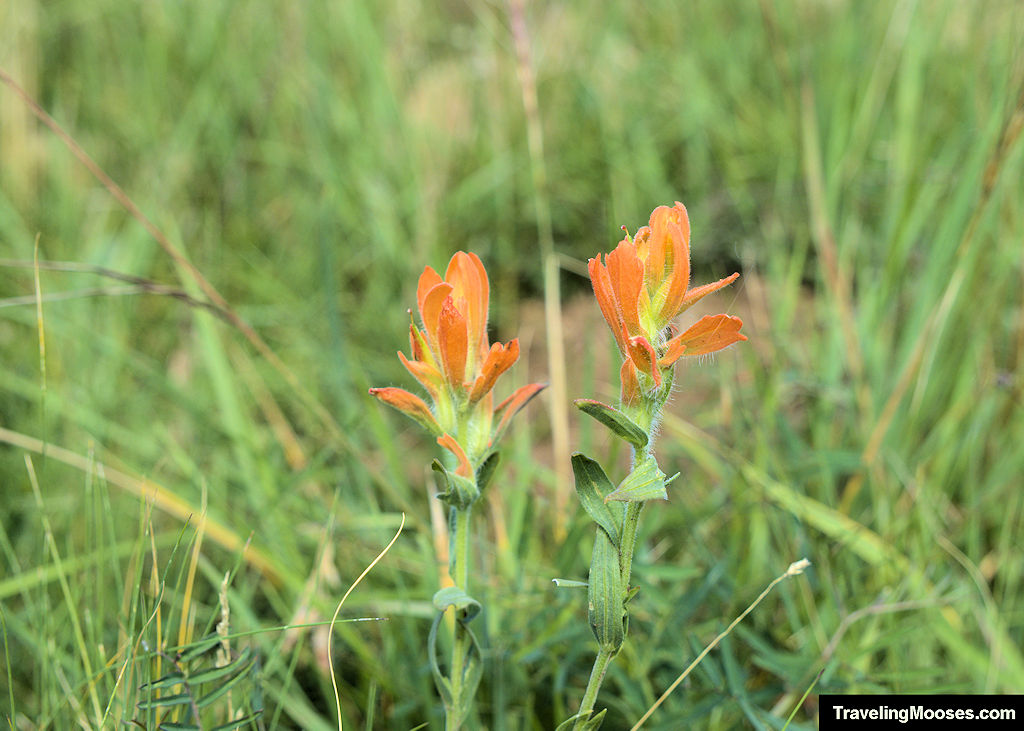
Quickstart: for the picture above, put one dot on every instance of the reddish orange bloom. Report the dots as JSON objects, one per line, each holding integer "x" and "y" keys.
{"x": 643, "y": 285}
{"x": 451, "y": 350}
{"x": 452, "y": 358}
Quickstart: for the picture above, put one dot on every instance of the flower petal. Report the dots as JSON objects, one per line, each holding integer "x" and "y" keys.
{"x": 499, "y": 359}
{"x": 511, "y": 406}
{"x": 644, "y": 358}
{"x": 626, "y": 272}
{"x": 470, "y": 290}
{"x": 630, "y": 383}
{"x": 705, "y": 289}
{"x": 410, "y": 405}
{"x": 602, "y": 284}
{"x": 428, "y": 280}
{"x": 712, "y": 333}
{"x": 448, "y": 442}
{"x": 426, "y": 373}
{"x": 430, "y": 310}
{"x": 678, "y": 268}
{"x": 452, "y": 342}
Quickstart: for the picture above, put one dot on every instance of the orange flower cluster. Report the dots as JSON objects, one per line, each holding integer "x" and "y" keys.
{"x": 642, "y": 286}
{"x": 452, "y": 359}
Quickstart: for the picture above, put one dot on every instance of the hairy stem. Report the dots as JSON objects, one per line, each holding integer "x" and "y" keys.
{"x": 601, "y": 663}
{"x": 460, "y": 646}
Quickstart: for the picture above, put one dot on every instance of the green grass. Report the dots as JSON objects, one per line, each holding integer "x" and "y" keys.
{"x": 859, "y": 163}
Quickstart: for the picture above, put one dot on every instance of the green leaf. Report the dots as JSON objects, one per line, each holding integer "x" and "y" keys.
{"x": 453, "y": 596}
{"x": 595, "y": 722}
{"x": 645, "y": 482}
{"x": 569, "y": 584}
{"x": 486, "y": 471}
{"x": 216, "y": 673}
{"x": 199, "y": 648}
{"x": 592, "y": 724}
{"x": 166, "y": 681}
{"x": 619, "y": 423}
{"x": 604, "y": 594}
{"x": 455, "y": 490}
{"x": 593, "y": 487}
{"x": 179, "y": 699}
{"x": 444, "y": 686}
{"x": 222, "y": 689}
{"x": 238, "y": 723}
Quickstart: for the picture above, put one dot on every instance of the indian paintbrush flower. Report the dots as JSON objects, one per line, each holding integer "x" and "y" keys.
{"x": 451, "y": 357}
{"x": 642, "y": 286}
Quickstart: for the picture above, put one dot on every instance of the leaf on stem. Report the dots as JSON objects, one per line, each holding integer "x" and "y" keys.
{"x": 486, "y": 471}
{"x": 593, "y": 487}
{"x": 645, "y": 482}
{"x": 591, "y": 724}
{"x": 453, "y": 596}
{"x": 569, "y": 584}
{"x": 604, "y": 594}
{"x": 620, "y": 424}
{"x": 454, "y": 489}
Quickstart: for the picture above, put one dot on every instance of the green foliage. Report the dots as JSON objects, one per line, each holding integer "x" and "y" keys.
{"x": 860, "y": 164}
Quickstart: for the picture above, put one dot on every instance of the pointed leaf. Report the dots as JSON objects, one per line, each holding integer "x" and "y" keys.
{"x": 569, "y": 584}
{"x": 222, "y": 689}
{"x": 486, "y": 470}
{"x": 238, "y": 723}
{"x": 216, "y": 673}
{"x": 167, "y": 681}
{"x": 645, "y": 482}
{"x": 615, "y": 420}
{"x": 179, "y": 699}
{"x": 199, "y": 648}
{"x": 592, "y": 485}
{"x": 591, "y": 724}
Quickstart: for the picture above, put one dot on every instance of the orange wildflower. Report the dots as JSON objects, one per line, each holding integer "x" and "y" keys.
{"x": 643, "y": 285}
{"x": 453, "y": 360}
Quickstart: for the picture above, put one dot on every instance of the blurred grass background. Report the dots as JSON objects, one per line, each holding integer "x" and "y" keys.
{"x": 859, "y": 162}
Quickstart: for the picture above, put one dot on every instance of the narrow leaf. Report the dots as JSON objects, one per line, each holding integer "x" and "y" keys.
{"x": 615, "y": 420}
{"x": 238, "y": 723}
{"x": 179, "y": 699}
{"x": 593, "y": 487}
{"x": 569, "y": 584}
{"x": 594, "y": 723}
{"x": 199, "y": 648}
{"x": 166, "y": 681}
{"x": 208, "y": 676}
{"x": 221, "y": 690}
{"x": 645, "y": 482}
{"x": 444, "y": 686}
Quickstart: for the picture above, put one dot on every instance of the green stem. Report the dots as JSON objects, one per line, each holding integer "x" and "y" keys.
{"x": 460, "y": 647}
{"x": 601, "y": 662}
{"x": 460, "y": 547}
